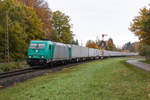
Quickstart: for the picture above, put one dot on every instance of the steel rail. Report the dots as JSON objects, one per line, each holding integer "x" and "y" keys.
{"x": 17, "y": 72}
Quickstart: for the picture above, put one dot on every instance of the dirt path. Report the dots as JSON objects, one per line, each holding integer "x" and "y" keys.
{"x": 139, "y": 64}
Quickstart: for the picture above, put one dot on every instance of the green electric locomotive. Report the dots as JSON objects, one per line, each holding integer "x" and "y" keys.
{"x": 43, "y": 52}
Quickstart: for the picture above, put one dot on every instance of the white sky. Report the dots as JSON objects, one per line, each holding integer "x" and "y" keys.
{"x": 92, "y": 18}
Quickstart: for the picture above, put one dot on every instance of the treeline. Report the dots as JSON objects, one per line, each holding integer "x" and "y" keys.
{"x": 141, "y": 27}
{"x": 108, "y": 45}
{"x": 30, "y": 20}
{"x": 131, "y": 47}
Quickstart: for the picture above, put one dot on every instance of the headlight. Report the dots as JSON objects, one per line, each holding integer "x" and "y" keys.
{"x": 42, "y": 56}
{"x": 30, "y": 57}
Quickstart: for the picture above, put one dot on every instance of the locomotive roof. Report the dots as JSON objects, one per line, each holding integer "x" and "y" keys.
{"x": 40, "y": 41}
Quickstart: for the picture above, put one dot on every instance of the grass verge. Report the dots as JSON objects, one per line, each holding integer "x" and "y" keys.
{"x": 110, "y": 79}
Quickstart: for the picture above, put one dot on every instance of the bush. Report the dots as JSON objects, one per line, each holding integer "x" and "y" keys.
{"x": 5, "y": 67}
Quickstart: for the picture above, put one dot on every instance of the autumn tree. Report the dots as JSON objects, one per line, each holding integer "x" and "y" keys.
{"x": 110, "y": 45}
{"x": 43, "y": 12}
{"x": 141, "y": 26}
{"x": 61, "y": 28}
{"x": 136, "y": 46}
{"x": 129, "y": 46}
{"x": 24, "y": 25}
{"x": 91, "y": 44}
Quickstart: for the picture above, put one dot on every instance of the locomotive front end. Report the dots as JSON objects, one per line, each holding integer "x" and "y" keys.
{"x": 37, "y": 53}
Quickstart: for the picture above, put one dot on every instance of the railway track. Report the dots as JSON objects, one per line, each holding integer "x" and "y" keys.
{"x": 14, "y": 73}
{"x": 9, "y": 78}
{"x": 30, "y": 70}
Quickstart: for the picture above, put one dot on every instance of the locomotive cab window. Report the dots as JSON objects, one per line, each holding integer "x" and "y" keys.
{"x": 37, "y": 46}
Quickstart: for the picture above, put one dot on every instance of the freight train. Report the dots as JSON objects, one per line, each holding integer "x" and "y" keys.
{"x": 47, "y": 52}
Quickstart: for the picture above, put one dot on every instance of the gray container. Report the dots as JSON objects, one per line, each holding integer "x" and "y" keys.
{"x": 75, "y": 51}
{"x": 94, "y": 52}
{"x": 84, "y": 52}
{"x": 79, "y": 51}
{"x": 107, "y": 53}
{"x": 61, "y": 52}
{"x": 91, "y": 52}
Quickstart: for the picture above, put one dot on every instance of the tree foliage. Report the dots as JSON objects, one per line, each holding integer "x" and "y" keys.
{"x": 129, "y": 47}
{"x": 110, "y": 45}
{"x": 43, "y": 12}
{"x": 145, "y": 51}
{"x": 61, "y": 30}
{"x": 24, "y": 25}
{"x": 141, "y": 26}
{"x": 31, "y": 20}
{"x": 91, "y": 44}
{"x": 98, "y": 44}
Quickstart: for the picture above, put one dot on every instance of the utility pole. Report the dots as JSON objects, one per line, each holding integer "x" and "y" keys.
{"x": 6, "y": 40}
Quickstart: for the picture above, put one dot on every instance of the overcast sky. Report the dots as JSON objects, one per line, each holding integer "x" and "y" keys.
{"x": 92, "y": 18}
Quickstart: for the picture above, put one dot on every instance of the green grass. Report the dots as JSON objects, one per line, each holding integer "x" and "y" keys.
{"x": 110, "y": 79}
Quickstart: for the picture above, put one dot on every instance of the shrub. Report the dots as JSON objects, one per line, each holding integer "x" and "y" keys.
{"x": 5, "y": 67}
